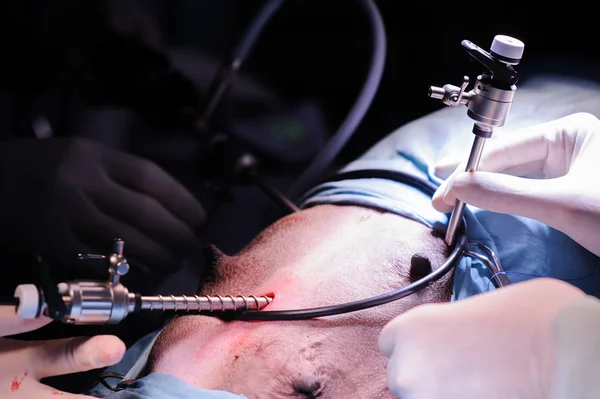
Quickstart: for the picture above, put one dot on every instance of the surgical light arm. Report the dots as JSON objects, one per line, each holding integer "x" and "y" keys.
{"x": 488, "y": 103}
{"x": 109, "y": 302}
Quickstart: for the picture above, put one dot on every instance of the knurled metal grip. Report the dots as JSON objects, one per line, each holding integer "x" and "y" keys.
{"x": 90, "y": 302}
{"x": 99, "y": 302}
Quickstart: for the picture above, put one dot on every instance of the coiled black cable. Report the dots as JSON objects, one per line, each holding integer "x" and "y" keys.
{"x": 303, "y": 314}
{"x": 334, "y": 145}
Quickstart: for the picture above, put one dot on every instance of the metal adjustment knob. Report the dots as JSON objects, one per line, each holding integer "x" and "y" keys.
{"x": 451, "y": 95}
{"x": 118, "y": 263}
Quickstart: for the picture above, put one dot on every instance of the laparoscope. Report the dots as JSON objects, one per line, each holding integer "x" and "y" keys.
{"x": 109, "y": 302}
{"x": 488, "y": 103}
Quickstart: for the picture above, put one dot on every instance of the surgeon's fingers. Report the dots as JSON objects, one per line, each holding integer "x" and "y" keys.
{"x": 148, "y": 178}
{"x": 389, "y": 336}
{"x": 394, "y": 332}
{"x": 530, "y": 152}
{"x": 11, "y": 324}
{"x": 147, "y": 215}
{"x": 532, "y": 198}
{"x": 521, "y": 154}
{"x": 535, "y": 169}
{"x": 74, "y": 355}
{"x": 450, "y": 164}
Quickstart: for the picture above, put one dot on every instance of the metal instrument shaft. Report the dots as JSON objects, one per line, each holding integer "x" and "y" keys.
{"x": 200, "y": 303}
{"x": 459, "y": 208}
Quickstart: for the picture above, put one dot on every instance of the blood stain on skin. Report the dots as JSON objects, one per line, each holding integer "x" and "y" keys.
{"x": 56, "y": 393}
{"x": 236, "y": 357}
{"x": 16, "y": 382}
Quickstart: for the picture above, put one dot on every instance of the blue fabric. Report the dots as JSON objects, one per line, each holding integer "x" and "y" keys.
{"x": 164, "y": 386}
{"x": 154, "y": 385}
{"x": 525, "y": 247}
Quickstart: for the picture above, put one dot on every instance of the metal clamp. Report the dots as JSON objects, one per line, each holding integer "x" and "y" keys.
{"x": 452, "y": 95}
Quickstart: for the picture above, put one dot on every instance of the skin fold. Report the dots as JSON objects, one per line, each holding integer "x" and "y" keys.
{"x": 321, "y": 256}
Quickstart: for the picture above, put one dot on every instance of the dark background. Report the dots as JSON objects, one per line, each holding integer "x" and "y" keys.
{"x": 319, "y": 49}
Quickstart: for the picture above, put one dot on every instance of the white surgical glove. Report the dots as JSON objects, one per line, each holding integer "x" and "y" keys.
{"x": 23, "y": 364}
{"x": 548, "y": 172}
{"x": 64, "y": 196}
{"x": 497, "y": 345}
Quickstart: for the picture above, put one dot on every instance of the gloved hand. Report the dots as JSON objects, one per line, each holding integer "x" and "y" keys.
{"x": 23, "y": 364}
{"x": 65, "y": 196}
{"x": 495, "y": 345}
{"x": 564, "y": 156}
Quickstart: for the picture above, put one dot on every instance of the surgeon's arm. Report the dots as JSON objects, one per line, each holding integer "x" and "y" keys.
{"x": 577, "y": 329}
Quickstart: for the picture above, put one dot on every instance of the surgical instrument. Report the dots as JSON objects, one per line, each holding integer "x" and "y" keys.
{"x": 493, "y": 264}
{"x": 488, "y": 103}
{"x": 109, "y": 302}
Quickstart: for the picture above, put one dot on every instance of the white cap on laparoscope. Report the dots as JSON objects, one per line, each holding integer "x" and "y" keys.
{"x": 29, "y": 301}
{"x": 507, "y": 49}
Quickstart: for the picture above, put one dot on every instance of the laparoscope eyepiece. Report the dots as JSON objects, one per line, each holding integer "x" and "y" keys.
{"x": 507, "y": 49}
{"x": 505, "y": 52}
